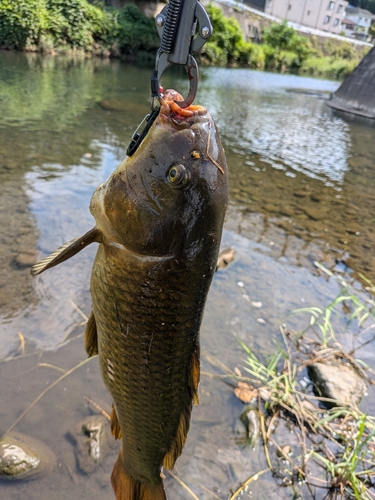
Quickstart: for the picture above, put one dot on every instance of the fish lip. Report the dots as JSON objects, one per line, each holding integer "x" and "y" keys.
{"x": 173, "y": 120}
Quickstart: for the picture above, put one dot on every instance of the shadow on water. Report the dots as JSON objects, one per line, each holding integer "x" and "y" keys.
{"x": 301, "y": 178}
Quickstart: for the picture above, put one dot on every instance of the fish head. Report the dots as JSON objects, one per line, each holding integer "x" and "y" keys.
{"x": 171, "y": 195}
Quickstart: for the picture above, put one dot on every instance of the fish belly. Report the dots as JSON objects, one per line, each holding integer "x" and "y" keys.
{"x": 148, "y": 313}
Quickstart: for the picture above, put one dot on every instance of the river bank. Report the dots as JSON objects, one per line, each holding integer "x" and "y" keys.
{"x": 79, "y": 29}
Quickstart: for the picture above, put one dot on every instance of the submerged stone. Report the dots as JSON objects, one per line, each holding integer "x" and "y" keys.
{"x": 114, "y": 105}
{"x": 338, "y": 382}
{"x": 22, "y": 456}
{"x": 250, "y": 420}
{"x": 91, "y": 436}
{"x": 225, "y": 257}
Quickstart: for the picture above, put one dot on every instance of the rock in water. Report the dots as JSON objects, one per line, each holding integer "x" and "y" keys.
{"x": 225, "y": 258}
{"x": 338, "y": 382}
{"x": 92, "y": 443}
{"x": 22, "y": 456}
{"x": 250, "y": 420}
{"x": 356, "y": 94}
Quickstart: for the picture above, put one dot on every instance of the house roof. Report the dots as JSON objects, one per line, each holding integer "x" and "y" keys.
{"x": 348, "y": 21}
{"x": 350, "y": 9}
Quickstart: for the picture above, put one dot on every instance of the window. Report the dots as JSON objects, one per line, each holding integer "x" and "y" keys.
{"x": 327, "y": 19}
{"x": 308, "y": 12}
{"x": 289, "y": 6}
{"x": 359, "y": 19}
{"x": 331, "y": 5}
{"x": 339, "y": 8}
{"x": 336, "y": 22}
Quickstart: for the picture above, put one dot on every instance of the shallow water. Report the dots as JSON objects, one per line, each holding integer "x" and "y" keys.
{"x": 301, "y": 190}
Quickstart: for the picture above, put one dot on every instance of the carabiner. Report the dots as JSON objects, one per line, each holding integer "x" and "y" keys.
{"x": 192, "y": 71}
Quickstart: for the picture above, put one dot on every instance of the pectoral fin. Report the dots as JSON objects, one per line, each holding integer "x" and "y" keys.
{"x": 66, "y": 251}
{"x": 115, "y": 424}
{"x": 91, "y": 336}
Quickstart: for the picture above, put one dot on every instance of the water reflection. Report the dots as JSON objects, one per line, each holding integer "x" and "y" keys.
{"x": 278, "y": 118}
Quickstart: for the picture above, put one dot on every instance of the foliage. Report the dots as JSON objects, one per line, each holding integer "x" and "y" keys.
{"x": 22, "y": 21}
{"x": 78, "y": 23}
{"x": 284, "y": 37}
{"x": 227, "y": 37}
{"x": 135, "y": 31}
{"x": 364, "y": 4}
{"x": 328, "y": 67}
{"x": 75, "y": 24}
{"x": 371, "y": 30}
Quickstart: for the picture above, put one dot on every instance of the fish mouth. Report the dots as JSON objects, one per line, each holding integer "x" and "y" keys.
{"x": 171, "y": 111}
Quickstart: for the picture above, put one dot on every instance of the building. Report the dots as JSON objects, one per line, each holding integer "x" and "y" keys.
{"x": 326, "y": 15}
{"x": 348, "y": 27}
{"x": 361, "y": 19}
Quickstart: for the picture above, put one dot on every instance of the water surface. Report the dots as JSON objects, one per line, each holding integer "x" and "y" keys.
{"x": 301, "y": 190}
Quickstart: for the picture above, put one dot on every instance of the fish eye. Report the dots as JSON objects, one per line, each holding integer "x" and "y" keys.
{"x": 178, "y": 176}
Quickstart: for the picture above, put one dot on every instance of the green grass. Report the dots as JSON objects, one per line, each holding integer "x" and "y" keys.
{"x": 328, "y": 67}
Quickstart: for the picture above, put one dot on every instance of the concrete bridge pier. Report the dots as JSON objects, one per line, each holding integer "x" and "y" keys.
{"x": 357, "y": 93}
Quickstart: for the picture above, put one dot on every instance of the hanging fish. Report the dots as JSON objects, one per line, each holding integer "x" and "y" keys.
{"x": 159, "y": 218}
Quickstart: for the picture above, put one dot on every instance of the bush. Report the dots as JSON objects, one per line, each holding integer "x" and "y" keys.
{"x": 76, "y": 24}
{"x": 215, "y": 55}
{"x": 79, "y": 24}
{"x": 227, "y": 37}
{"x": 283, "y": 37}
{"x": 256, "y": 57}
{"x": 22, "y": 22}
{"x": 328, "y": 67}
{"x": 135, "y": 31}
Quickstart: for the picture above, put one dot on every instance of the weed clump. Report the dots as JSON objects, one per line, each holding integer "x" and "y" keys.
{"x": 334, "y": 448}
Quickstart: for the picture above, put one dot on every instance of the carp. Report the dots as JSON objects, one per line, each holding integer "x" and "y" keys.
{"x": 159, "y": 219}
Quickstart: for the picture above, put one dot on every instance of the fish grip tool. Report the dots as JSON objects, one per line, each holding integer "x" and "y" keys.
{"x": 141, "y": 133}
{"x": 184, "y": 27}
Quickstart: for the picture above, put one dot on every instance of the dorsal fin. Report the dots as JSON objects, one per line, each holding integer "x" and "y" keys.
{"x": 195, "y": 373}
{"x": 179, "y": 440}
{"x": 66, "y": 251}
{"x": 178, "y": 443}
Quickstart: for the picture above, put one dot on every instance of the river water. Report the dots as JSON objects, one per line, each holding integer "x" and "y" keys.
{"x": 300, "y": 190}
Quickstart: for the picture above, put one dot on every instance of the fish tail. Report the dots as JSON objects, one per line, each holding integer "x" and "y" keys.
{"x": 126, "y": 488}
